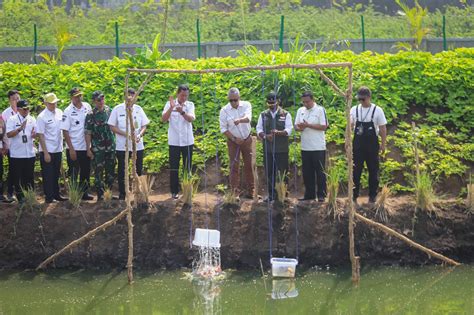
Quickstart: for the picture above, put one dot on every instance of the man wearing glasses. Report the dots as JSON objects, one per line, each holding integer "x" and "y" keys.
{"x": 234, "y": 121}
{"x": 274, "y": 126}
{"x": 367, "y": 121}
{"x": 21, "y": 132}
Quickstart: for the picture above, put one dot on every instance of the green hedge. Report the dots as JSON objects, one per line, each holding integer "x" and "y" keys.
{"x": 433, "y": 90}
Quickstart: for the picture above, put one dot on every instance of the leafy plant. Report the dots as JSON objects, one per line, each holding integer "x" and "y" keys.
{"x": 333, "y": 181}
{"x": 381, "y": 210}
{"x": 146, "y": 187}
{"x": 414, "y": 18}
{"x": 470, "y": 195}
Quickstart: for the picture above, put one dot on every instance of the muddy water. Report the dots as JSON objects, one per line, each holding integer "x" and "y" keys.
{"x": 428, "y": 290}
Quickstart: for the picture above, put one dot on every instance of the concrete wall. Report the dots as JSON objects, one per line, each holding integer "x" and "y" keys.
{"x": 215, "y": 49}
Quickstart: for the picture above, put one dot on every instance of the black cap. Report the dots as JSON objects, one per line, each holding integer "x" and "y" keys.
{"x": 97, "y": 95}
{"x": 131, "y": 91}
{"x": 272, "y": 97}
{"x": 75, "y": 91}
{"x": 22, "y": 104}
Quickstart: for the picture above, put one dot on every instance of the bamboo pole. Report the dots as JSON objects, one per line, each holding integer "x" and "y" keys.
{"x": 355, "y": 260}
{"x": 86, "y": 236}
{"x": 417, "y": 168}
{"x": 250, "y": 68}
{"x": 254, "y": 168}
{"x": 331, "y": 83}
{"x": 127, "y": 183}
{"x": 411, "y": 243}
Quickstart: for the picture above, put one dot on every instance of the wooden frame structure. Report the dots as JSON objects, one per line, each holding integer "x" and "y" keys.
{"x": 347, "y": 94}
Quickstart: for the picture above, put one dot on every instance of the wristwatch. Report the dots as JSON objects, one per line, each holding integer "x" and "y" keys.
{"x": 183, "y": 112}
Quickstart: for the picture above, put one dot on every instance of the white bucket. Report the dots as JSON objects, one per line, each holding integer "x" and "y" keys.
{"x": 207, "y": 238}
{"x": 284, "y": 289}
{"x": 283, "y": 267}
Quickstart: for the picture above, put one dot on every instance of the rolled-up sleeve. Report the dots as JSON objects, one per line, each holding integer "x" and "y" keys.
{"x": 223, "y": 121}
{"x": 288, "y": 124}
{"x": 259, "y": 125}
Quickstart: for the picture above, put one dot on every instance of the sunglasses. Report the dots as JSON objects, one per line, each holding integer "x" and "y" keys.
{"x": 233, "y": 100}
{"x": 361, "y": 99}
{"x": 24, "y": 108}
{"x": 271, "y": 103}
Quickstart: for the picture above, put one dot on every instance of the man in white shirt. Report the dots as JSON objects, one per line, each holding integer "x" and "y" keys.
{"x": 48, "y": 129}
{"x": 311, "y": 120}
{"x": 117, "y": 122}
{"x": 274, "y": 126}
{"x": 180, "y": 115}
{"x": 367, "y": 121}
{"x": 13, "y": 98}
{"x": 21, "y": 132}
{"x": 3, "y": 151}
{"x": 234, "y": 120}
{"x": 72, "y": 125}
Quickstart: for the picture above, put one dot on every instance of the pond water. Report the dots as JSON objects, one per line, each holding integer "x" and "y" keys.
{"x": 391, "y": 290}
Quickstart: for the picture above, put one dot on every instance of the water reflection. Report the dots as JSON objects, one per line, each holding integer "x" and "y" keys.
{"x": 284, "y": 289}
{"x": 207, "y": 294}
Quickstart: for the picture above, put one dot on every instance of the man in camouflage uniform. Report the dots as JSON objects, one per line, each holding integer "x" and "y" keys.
{"x": 100, "y": 142}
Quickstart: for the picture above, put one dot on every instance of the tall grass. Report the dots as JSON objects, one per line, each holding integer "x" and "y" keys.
{"x": 333, "y": 180}
{"x": 281, "y": 187}
{"x": 189, "y": 186}
{"x": 424, "y": 192}
{"x": 28, "y": 203}
{"x": 75, "y": 191}
{"x": 381, "y": 210}
{"x": 470, "y": 196}
{"x": 146, "y": 184}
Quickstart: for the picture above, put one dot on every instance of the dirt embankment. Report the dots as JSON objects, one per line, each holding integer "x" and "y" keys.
{"x": 163, "y": 232}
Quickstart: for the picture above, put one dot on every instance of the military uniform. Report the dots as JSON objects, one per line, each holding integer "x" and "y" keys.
{"x": 102, "y": 146}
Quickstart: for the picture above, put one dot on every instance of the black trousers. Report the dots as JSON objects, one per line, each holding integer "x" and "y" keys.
{"x": 175, "y": 154}
{"x": 314, "y": 164}
{"x": 121, "y": 168}
{"x": 23, "y": 174}
{"x": 81, "y": 168}
{"x": 371, "y": 157}
{"x": 10, "y": 178}
{"x": 1, "y": 174}
{"x": 276, "y": 164}
{"x": 51, "y": 172}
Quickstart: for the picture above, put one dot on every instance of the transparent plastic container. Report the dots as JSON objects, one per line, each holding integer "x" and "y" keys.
{"x": 284, "y": 267}
{"x": 207, "y": 238}
{"x": 284, "y": 289}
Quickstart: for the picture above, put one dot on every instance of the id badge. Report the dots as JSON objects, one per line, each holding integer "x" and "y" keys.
{"x": 24, "y": 139}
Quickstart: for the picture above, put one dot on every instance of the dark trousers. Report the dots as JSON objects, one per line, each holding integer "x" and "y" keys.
{"x": 175, "y": 154}
{"x": 276, "y": 164}
{"x": 51, "y": 172}
{"x": 10, "y": 177}
{"x": 121, "y": 168}
{"x": 81, "y": 168}
{"x": 23, "y": 174}
{"x": 313, "y": 164}
{"x": 371, "y": 158}
{"x": 1, "y": 174}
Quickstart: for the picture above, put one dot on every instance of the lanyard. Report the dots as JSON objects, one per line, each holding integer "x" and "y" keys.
{"x": 367, "y": 114}
{"x": 21, "y": 122}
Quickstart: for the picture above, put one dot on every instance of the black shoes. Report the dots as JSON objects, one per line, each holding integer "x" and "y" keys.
{"x": 174, "y": 196}
{"x": 60, "y": 198}
{"x": 87, "y": 197}
{"x": 372, "y": 199}
{"x": 305, "y": 199}
{"x": 50, "y": 201}
{"x": 320, "y": 199}
{"x": 121, "y": 197}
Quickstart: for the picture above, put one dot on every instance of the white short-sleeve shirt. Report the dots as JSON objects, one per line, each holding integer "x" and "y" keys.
{"x": 180, "y": 131}
{"x": 365, "y": 115}
{"x": 73, "y": 121}
{"x": 18, "y": 148}
{"x": 118, "y": 119}
{"x": 311, "y": 139}
{"x": 48, "y": 123}
{"x": 228, "y": 115}
{"x": 6, "y": 114}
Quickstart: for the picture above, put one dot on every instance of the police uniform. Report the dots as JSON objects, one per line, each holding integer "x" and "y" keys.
{"x": 22, "y": 152}
{"x": 275, "y": 151}
{"x": 103, "y": 148}
{"x": 118, "y": 119}
{"x": 73, "y": 122}
{"x": 48, "y": 123}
